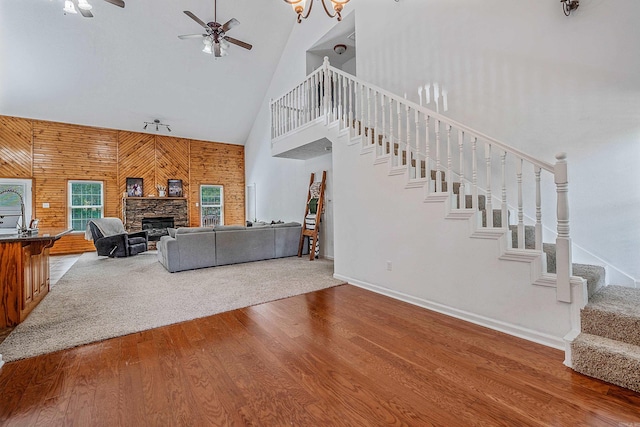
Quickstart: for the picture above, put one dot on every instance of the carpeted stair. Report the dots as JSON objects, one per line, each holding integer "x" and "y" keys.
{"x": 608, "y": 347}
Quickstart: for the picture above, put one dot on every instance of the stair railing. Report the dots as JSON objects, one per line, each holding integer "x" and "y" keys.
{"x": 452, "y": 161}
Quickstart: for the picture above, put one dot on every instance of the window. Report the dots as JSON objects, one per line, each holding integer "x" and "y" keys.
{"x": 10, "y": 207}
{"x": 211, "y": 205}
{"x": 85, "y": 203}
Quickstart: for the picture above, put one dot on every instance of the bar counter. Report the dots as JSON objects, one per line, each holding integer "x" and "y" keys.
{"x": 24, "y": 272}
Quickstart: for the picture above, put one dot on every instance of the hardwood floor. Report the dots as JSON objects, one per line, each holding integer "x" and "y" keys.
{"x": 339, "y": 357}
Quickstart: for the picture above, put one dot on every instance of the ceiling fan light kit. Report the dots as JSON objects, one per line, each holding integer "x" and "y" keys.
{"x": 69, "y": 7}
{"x": 85, "y": 7}
{"x": 215, "y": 40}
{"x": 299, "y": 7}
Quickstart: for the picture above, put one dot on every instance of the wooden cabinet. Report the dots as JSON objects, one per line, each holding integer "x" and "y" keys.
{"x": 35, "y": 272}
{"x": 24, "y": 275}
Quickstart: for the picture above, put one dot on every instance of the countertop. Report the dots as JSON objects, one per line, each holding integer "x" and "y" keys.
{"x": 43, "y": 234}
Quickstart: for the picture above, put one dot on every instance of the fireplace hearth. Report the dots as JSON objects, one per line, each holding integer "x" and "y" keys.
{"x": 157, "y": 226}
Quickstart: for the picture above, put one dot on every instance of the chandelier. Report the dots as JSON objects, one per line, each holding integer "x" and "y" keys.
{"x": 299, "y": 8}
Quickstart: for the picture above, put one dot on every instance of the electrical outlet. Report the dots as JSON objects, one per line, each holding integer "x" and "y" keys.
{"x": 389, "y": 266}
{"x": 45, "y": 206}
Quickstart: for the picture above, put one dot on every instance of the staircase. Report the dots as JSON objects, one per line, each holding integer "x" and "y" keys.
{"x": 608, "y": 347}
{"x": 495, "y": 187}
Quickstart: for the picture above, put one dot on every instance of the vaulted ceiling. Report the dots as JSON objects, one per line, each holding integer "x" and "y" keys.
{"x": 127, "y": 66}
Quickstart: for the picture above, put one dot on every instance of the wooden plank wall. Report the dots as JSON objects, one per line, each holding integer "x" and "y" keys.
{"x": 52, "y": 153}
{"x": 218, "y": 164}
{"x": 63, "y": 152}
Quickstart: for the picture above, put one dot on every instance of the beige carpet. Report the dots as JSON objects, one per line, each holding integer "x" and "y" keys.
{"x": 100, "y": 298}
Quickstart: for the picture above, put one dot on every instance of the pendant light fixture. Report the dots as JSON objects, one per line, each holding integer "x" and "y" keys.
{"x": 299, "y": 7}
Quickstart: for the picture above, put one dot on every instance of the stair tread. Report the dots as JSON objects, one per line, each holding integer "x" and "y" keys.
{"x": 607, "y": 344}
{"x": 616, "y": 299}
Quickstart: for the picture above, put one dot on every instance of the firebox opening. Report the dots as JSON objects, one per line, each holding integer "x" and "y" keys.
{"x": 157, "y": 226}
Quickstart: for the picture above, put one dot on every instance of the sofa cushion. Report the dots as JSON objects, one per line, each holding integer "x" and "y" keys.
{"x": 252, "y": 244}
{"x": 189, "y": 230}
{"x": 171, "y": 231}
{"x": 286, "y": 224}
{"x": 229, "y": 227}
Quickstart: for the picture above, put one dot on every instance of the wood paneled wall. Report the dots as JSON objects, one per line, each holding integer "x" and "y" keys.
{"x": 53, "y": 153}
{"x": 63, "y": 152}
{"x": 15, "y": 147}
{"x": 218, "y": 164}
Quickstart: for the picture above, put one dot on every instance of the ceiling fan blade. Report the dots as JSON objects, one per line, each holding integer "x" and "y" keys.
{"x": 216, "y": 50}
{"x": 233, "y": 22}
{"x": 118, "y": 3}
{"x": 238, "y": 42}
{"x": 85, "y": 13}
{"x": 195, "y": 18}
{"x": 191, "y": 36}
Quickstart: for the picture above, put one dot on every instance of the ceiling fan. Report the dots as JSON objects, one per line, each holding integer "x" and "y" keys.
{"x": 215, "y": 39}
{"x": 84, "y": 7}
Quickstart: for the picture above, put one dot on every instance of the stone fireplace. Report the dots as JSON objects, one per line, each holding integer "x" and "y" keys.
{"x": 156, "y": 213}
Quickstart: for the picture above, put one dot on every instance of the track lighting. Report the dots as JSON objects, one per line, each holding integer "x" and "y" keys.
{"x": 157, "y": 124}
{"x": 299, "y": 7}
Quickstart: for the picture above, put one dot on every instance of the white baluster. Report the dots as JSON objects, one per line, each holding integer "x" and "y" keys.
{"x": 363, "y": 123}
{"x": 296, "y": 107}
{"x": 399, "y": 136}
{"x": 427, "y": 153}
{"x": 326, "y": 95}
{"x": 489, "y": 203}
{"x": 462, "y": 199}
{"x": 438, "y": 165}
{"x": 340, "y": 89}
{"x": 417, "y": 137}
{"x": 345, "y": 102}
{"x": 474, "y": 172}
{"x": 503, "y": 207}
{"x": 538, "y": 243}
{"x": 368, "y": 116}
{"x": 564, "y": 269}
{"x": 410, "y": 151}
{"x": 376, "y": 130}
{"x": 389, "y": 148}
{"x": 449, "y": 174}
{"x": 520, "y": 205}
{"x": 350, "y": 105}
{"x": 384, "y": 123}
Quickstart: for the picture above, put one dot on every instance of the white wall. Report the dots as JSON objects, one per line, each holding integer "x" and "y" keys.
{"x": 525, "y": 74}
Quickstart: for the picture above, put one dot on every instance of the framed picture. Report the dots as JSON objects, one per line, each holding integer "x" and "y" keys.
{"x": 134, "y": 187}
{"x": 175, "y": 188}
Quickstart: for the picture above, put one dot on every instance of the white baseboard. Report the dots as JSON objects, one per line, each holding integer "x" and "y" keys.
{"x": 497, "y": 325}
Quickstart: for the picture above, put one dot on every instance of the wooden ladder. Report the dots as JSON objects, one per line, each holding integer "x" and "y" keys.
{"x": 312, "y": 233}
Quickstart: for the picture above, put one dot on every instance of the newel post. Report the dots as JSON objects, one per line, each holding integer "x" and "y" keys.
{"x": 564, "y": 269}
{"x": 326, "y": 93}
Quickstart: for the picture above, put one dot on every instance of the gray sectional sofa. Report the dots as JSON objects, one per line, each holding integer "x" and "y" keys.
{"x": 188, "y": 248}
